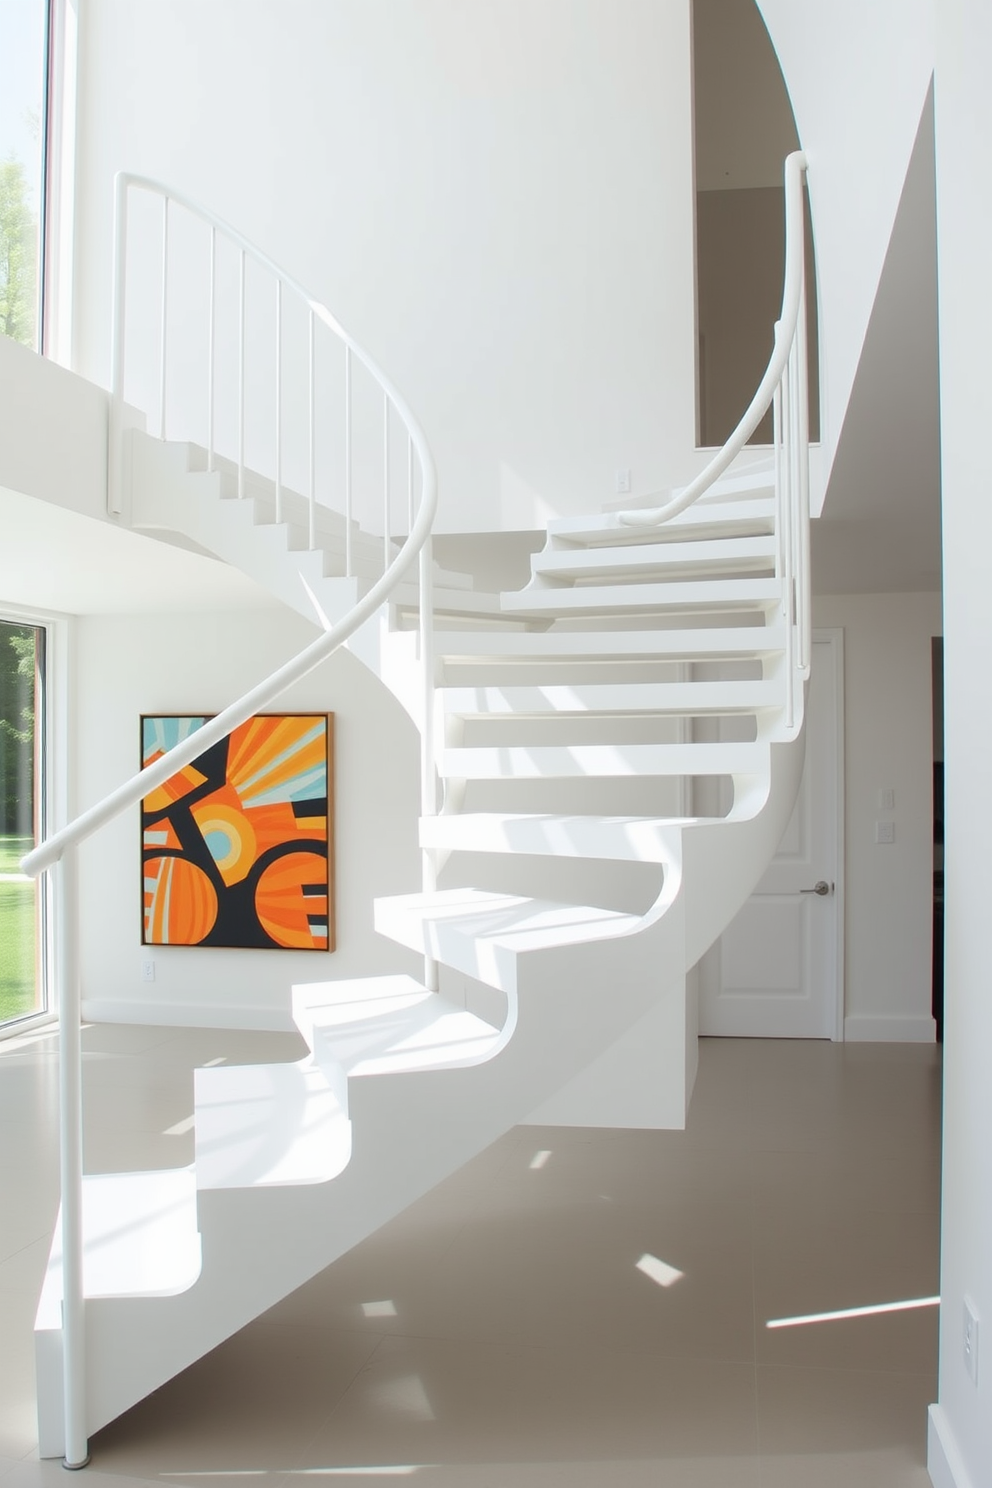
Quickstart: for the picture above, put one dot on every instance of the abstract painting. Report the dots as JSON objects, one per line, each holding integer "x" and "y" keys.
{"x": 237, "y": 848}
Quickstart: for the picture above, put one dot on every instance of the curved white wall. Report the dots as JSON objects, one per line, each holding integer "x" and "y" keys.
{"x": 857, "y": 75}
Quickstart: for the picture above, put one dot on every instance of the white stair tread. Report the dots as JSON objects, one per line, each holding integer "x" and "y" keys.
{"x": 635, "y": 839}
{"x": 482, "y": 933}
{"x": 716, "y": 594}
{"x": 523, "y": 645}
{"x": 261, "y": 1125}
{"x": 554, "y": 761}
{"x": 732, "y": 554}
{"x": 611, "y": 697}
{"x": 406, "y": 595}
{"x": 140, "y": 1239}
{"x": 737, "y": 517}
{"x": 389, "y": 1025}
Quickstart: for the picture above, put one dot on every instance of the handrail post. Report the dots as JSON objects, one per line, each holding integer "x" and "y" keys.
{"x": 165, "y": 314}
{"x": 312, "y": 492}
{"x": 428, "y": 782}
{"x": 115, "y": 431}
{"x": 71, "y": 1161}
{"x": 788, "y": 577}
{"x": 347, "y": 464}
{"x": 278, "y": 400}
{"x": 410, "y": 502}
{"x": 385, "y": 481}
{"x": 242, "y": 276}
{"x": 211, "y": 347}
{"x": 805, "y": 622}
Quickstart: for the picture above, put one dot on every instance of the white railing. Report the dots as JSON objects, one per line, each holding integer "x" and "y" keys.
{"x": 785, "y": 389}
{"x": 57, "y": 854}
{"x": 187, "y": 258}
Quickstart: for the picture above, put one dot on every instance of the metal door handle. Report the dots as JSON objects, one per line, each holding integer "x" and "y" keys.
{"x": 818, "y": 888}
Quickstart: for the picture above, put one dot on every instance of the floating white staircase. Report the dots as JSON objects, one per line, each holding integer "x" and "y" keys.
{"x": 617, "y": 749}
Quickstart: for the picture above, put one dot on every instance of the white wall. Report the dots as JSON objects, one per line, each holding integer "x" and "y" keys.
{"x": 495, "y": 197}
{"x": 857, "y": 76}
{"x": 888, "y": 745}
{"x": 192, "y": 663}
{"x": 53, "y": 435}
{"x": 961, "y": 1442}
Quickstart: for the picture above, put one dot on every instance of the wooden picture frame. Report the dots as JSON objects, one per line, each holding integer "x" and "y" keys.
{"x": 237, "y": 848}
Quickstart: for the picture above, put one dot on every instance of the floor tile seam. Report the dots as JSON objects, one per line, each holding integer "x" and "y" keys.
{"x": 849, "y": 1369}
{"x": 339, "y": 1402}
{"x": 570, "y": 1345}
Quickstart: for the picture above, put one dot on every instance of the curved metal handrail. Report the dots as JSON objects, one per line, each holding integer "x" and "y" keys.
{"x": 785, "y": 332}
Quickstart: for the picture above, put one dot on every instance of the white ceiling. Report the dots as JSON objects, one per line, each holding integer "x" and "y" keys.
{"x": 53, "y": 559}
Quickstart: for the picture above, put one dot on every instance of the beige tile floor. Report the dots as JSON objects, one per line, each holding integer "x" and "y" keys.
{"x": 499, "y": 1334}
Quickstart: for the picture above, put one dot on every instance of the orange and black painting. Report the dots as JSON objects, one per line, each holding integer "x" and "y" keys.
{"x": 237, "y": 847}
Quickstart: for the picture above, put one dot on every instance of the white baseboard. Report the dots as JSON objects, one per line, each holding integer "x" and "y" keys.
{"x": 186, "y": 1015}
{"x": 944, "y": 1461}
{"x": 890, "y": 1028}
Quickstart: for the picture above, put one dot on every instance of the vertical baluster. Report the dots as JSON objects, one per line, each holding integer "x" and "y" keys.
{"x": 278, "y": 400}
{"x": 165, "y": 313}
{"x": 242, "y": 287}
{"x": 777, "y": 449}
{"x": 385, "y": 481}
{"x": 211, "y": 348}
{"x": 787, "y": 549}
{"x": 347, "y": 463}
{"x": 409, "y": 483}
{"x": 792, "y": 371}
{"x": 312, "y": 469}
{"x": 428, "y": 781}
{"x": 71, "y": 1162}
{"x": 115, "y": 454}
{"x": 802, "y": 357}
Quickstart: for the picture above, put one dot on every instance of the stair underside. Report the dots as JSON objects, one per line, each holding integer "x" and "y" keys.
{"x": 693, "y": 699}
{"x": 633, "y": 839}
{"x": 550, "y": 761}
{"x": 753, "y": 641}
{"x": 617, "y": 599}
{"x": 708, "y": 558}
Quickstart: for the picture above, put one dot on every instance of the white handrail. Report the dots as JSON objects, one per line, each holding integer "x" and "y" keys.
{"x": 785, "y": 335}
{"x": 57, "y": 853}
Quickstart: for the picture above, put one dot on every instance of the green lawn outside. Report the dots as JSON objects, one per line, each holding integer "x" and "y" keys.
{"x": 18, "y": 991}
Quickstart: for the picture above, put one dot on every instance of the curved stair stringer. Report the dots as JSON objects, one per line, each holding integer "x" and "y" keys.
{"x": 407, "y": 1130}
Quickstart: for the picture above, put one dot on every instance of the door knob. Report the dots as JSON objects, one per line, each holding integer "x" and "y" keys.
{"x": 818, "y": 888}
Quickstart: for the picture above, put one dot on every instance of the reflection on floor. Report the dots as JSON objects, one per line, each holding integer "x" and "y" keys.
{"x": 575, "y": 1307}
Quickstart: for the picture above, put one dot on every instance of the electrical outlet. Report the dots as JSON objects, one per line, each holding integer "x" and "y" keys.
{"x": 148, "y": 970}
{"x": 623, "y": 482}
{"x": 885, "y": 831}
{"x": 970, "y": 1340}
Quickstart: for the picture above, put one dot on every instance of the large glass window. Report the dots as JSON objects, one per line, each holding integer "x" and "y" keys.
{"x": 23, "y": 112}
{"x": 22, "y": 938}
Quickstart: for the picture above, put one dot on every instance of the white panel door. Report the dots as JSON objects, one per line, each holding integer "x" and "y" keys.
{"x": 776, "y": 972}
